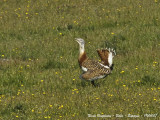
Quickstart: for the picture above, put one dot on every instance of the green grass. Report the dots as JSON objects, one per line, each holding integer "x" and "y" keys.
{"x": 39, "y": 72}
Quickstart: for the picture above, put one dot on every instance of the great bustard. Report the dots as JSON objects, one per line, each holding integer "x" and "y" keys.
{"x": 92, "y": 69}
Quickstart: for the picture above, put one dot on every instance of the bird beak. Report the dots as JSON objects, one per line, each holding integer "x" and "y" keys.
{"x": 76, "y": 40}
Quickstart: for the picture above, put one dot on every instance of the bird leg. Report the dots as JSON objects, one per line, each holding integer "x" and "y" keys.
{"x": 92, "y": 82}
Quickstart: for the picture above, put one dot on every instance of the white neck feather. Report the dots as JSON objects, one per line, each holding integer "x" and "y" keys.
{"x": 81, "y": 49}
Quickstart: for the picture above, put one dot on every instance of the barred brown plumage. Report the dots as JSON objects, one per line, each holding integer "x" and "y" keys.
{"x": 92, "y": 69}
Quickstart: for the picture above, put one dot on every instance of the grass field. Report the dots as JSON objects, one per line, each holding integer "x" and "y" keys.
{"x": 39, "y": 71}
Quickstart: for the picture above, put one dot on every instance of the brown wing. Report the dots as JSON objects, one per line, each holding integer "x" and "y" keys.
{"x": 103, "y": 54}
{"x": 96, "y": 74}
{"x": 92, "y": 65}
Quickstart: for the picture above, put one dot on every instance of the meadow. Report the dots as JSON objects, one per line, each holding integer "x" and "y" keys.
{"x": 39, "y": 71}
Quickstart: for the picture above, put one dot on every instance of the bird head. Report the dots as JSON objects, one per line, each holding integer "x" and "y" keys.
{"x": 80, "y": 41}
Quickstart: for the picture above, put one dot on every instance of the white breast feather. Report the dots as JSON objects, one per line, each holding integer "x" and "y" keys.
{"x": 98, "y": 77}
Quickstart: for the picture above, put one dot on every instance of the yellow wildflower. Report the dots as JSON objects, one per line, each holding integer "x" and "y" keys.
{"x": 60, "y": 107}
{"x": 112, "y": 33}
{"x": 122, "y": 71}
{"x": 155, "y": 99}
{"x": 28, "y": 65}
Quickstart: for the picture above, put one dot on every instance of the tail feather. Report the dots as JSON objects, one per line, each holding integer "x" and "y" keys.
{"x": 103, "y": 54}
{"x": 106, "y": 56}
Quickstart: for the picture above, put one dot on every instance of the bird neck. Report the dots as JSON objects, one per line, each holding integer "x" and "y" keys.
{"x": 82, "y": 58}
{"x": 82, "y": 54}
{"x": 81, "y": 49}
